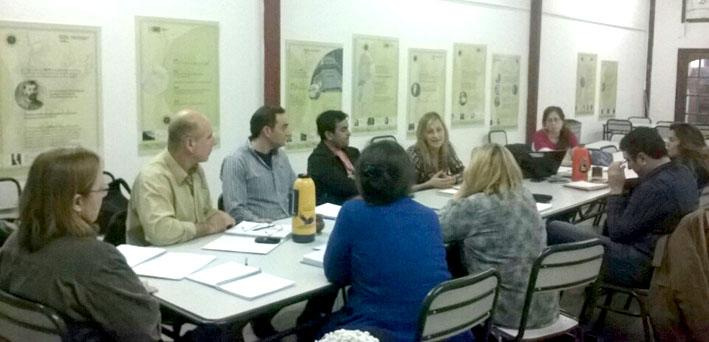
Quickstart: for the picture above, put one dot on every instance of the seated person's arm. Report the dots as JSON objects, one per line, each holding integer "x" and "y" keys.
{"x": 456, "y": 219}
{"x": 321, "y": 170}
{"x": 439, "y": 180}
{"x": 234, "y": 190}
{"x": 158, "y": 218}
{"x": 337, "y": 263}
{"x": 119, "y": 303}
{"x": 630, "y": 217}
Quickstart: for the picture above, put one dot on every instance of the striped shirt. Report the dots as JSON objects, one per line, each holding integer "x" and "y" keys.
{"x": 252, "y": 190}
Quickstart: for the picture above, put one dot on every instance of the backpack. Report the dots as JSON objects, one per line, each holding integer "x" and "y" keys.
{"x": 114, "y": 203}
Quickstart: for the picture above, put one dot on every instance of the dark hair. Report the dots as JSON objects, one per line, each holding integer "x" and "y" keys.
{"x": 384, "y": 173}
{"x": 693, "y": 150}
{"x": 264, "y": 116}
{"x": 55, "y": 177}
{"x": 645, "y": 140}
{"x": 565, "y": 134}
{"x": 327, "y": 121}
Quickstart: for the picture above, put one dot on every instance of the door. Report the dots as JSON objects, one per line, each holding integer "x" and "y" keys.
{"x": 692, "y": 97}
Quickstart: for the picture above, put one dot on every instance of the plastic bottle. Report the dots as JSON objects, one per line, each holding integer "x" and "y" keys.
{"x": 581, "y": 164}
{"x": 303, "y": 209}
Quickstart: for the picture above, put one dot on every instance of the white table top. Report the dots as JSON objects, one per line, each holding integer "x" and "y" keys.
{"x": 563, "y": 198}
{"x": 207, "y": 305}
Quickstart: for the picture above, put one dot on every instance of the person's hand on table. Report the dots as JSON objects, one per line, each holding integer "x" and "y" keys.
{"x": 441, "y": 181}
{"x": 220, "y": 221}
{"x": 616, "y": 177}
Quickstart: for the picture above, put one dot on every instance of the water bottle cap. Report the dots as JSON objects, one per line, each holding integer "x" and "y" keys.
{"x": 303, "y": 175}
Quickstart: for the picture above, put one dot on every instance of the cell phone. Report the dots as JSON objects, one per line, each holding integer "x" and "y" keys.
{"x": 542, "y": 198}
{"x": 267, "y": 239}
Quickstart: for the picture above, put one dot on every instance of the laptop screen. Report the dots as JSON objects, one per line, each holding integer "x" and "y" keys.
{"x": 541, "y": 165}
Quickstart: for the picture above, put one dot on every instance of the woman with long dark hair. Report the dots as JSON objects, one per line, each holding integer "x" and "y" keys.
{"x": 686, "y": 145}
{"x": 554, "y": 135}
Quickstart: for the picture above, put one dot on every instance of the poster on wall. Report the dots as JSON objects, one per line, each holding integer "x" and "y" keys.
{"x": 695, "y": 11}
{"x": 468, "y": 96}
{"x": 504, "y": 91}
{"x": 426, "y": 90}
{"x": 586, "y": 83}
{"x": 375, "y": 80}
{"x": 313, "y": 85}
{"x": 178, "y": 68}
{"x": 609, "y": 89}
{"x": 49, "y": 91}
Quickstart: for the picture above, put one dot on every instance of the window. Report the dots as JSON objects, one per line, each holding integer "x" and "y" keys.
{"x": 692, "y": 100}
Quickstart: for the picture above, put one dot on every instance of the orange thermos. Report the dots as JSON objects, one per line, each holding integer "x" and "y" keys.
{"x": 303, "y": 209}
{"x": 581, "y": 164}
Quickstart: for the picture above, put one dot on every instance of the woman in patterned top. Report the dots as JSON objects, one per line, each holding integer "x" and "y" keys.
{"x": 436, "y": 163}
{"x": 495, "y": 219}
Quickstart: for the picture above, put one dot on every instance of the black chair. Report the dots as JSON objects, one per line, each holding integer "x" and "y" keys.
{"x": 24, "y": 320}
{"x": 616, "y": 127}
{"x": 10, "y": 190}
{"x": 382, "y": 137}
{"x": 638, "y": 295}
{"x": 220, "y": 202}
{"x": 497, "y": 137}
{"x": 458, "y": 305}
{"x": 558, "y": 267}
{"x": 574, "y": 126}
{"x": 663, "y": 128}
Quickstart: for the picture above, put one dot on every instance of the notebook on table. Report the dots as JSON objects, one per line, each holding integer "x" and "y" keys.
{"x": 314, "y": 258}
{"x": 224, "y": 273}
{"x": 255, "y": 229}
{"x": 136, "y": 255}
{"x": 584, "y": 185}
{"x": 256, "y": 285}
{"x": 173, "y": 265}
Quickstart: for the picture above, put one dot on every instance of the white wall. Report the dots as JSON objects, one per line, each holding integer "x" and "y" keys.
{"x": 502, "y": 25}
{"x": 614, "y": 30}
{"x": 670, "y": 35}
{"x": 240, "y": 56}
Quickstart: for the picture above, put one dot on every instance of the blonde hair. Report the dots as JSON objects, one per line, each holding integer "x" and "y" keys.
{"x": 55, "y": 177}
{"x": 422, "y": 146}
{"x": 492, "y": 170}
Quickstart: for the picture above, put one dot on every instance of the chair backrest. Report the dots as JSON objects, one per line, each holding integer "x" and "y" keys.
{"x": 575, "y": 127}
{"x": 640, "y": 120}
{"x": 10, "y": 192}
{"x": 619, "y": 126}
{"x": 382, "y": 137}
{"x": 561, "y": 267}
{"x": 663, "y": 131}
{"x": 457, "y": 305}
{"x": 23, "y": 320}
{"x": 704, "y": 129}
{"x": 497, "y": 137}
{"x": 609, "y": 149}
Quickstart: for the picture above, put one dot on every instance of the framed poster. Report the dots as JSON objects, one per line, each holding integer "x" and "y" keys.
{"x": 50, "y": 91}
{"x": 426, "y": 90}
{"x": 313, "y": 85}
{"x": 178, "y": 68}
{"x": 609, "y": 89}
{"x": 586, "y": 83}
{"x": 505, "y": 91}
{"x": 375, "y": 80}
{"x": 468, "y": 96}
{"x": 694, "y": 11}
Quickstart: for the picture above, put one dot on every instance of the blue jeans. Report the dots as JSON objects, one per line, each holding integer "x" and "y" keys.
{"x": 623, "y": 265}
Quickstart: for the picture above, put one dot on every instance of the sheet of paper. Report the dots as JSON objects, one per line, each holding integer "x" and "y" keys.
{"x": 256, "y": 285}
{"x": 223, "y": 273}
{"x": 135, "y": 254}
{"x": 173, "y": 265}
{"x": 543, "y": 206}
{"x": 328, "y": 210}
{"x": 451, "y": 191}
{"x": 248, "y": 228}
{"x": 314, "y": 258}
{"x": 588, "y": 186}
{"x": 242, "y": 244}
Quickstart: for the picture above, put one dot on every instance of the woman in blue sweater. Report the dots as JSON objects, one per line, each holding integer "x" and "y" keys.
{"x": 387, "y": 247}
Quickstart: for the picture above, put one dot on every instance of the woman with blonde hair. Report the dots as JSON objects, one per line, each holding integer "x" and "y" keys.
{"x": 433, "y": 156}
{"x": 55, "y": 259}
{"x": 495, "y": 219}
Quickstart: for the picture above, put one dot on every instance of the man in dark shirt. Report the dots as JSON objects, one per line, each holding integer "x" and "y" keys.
{"x": 331, "y": 165}
{"x": 637, "y": 217}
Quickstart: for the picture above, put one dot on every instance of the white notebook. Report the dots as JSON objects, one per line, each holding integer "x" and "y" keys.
{"x": 314, "y": 258}
{"x": 256, "y": 285}
{"x": 224, "y": 273}
{"x": 173, "y": 265}
{"x": 584, "y": 185}
{"x": 543, "y": 206}
{"x": 135, "y": 254}
{"x": 248, "y": 228}
{"x": 328, "y": 210}
{"x": 242, "y": 244}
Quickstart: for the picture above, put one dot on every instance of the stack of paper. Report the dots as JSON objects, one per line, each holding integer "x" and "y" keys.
{"x": 243, "y": 244}
{"x": 173, "y": 265}
{"x": 248, "y": 228}
{"x": 328, "y": 210}
{"x": 256, "y": 285}
{"x": 224, "y": 273}
{"x": 584, "y": 185}
{"x": 314, "y": 258}
{"x": 135, "y": 254}
{"x": 450, "y": 191}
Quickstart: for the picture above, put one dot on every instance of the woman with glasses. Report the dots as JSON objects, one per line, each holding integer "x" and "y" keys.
{"x": 55, "y": 259}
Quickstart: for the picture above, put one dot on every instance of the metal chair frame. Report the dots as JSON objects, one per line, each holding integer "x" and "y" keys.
{"x": 58, "y": 326}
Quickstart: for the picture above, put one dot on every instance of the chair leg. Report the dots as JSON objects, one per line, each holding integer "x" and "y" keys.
{"x": 604, "y": 311}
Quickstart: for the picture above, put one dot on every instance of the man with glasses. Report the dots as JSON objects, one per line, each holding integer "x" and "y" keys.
{"x": 640, "y": 212}
{"x": 170, "y": 202}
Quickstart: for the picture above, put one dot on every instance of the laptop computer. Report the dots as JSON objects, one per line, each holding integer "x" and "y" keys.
{"x": 540, "y": 165}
